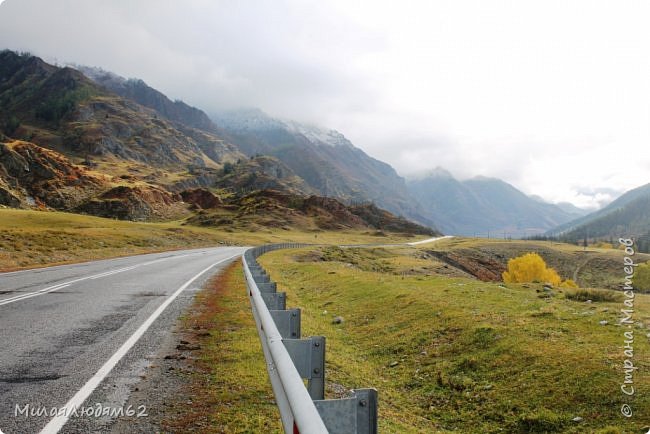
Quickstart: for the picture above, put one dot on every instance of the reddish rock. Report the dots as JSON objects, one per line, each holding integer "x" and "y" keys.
{"x": 201, "y": 198}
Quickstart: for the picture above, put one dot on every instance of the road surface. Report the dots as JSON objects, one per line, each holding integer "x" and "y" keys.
{"x": 79, "y": 336}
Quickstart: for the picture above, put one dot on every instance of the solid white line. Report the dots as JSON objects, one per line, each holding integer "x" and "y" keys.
{"x": 90, "y": 262}
{"x": 429, "y": 240}
{"x": 92, "y": 277}
{"x": 78, "y": 399}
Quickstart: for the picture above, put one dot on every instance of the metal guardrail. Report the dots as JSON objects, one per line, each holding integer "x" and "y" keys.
{"x": 291, "y": 359}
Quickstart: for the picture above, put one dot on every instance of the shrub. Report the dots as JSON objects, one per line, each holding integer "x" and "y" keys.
{"x": 569, "y": 283}
{"x": 641, "y": 280}
{"x": 530, "y": 268}
{"x": 541, "y": 421}
{"x": 593, "y": 295}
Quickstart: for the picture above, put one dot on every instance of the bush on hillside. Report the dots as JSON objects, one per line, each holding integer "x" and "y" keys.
{"x": 593, "y": 295}
{"x": 641, "y": 280}
{"x": 532, "y": 268}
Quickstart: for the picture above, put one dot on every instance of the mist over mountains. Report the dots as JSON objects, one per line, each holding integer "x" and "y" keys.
{"x": 626, "y": 217}
{"x": 485, "y": 206}
{"x": 133, "y": 131}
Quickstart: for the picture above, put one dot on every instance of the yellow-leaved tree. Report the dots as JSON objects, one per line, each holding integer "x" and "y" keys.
{"x": 532, "y": 268}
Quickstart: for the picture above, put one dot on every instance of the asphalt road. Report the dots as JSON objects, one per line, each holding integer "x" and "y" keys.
{"x": 81, "y": 335}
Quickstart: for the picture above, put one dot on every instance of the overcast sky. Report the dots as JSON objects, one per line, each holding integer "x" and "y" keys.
{"x": 551, "y": 96}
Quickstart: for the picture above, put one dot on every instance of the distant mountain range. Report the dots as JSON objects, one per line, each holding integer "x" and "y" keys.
{"x": 627, "y": 216}
{"x": 87, "y": 140}
{"x": 100, "y": 144}
{"x": 485, "y": 207}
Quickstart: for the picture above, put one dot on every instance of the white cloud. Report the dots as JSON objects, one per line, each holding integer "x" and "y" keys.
{"x": 551, "y": 96}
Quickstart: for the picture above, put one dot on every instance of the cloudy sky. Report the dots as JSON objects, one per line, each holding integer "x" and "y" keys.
{"x": 552, "y": 96}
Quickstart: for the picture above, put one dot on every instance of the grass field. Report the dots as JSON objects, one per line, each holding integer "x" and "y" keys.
{"x": 39, "y": 238}
{"x": 454, "y": 354}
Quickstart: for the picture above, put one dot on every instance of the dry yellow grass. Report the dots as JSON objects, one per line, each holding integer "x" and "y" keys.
{"x": 39, "y": 238}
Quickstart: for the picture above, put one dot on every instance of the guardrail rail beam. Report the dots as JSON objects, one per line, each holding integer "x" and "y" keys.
{"x": 290, "y": 360}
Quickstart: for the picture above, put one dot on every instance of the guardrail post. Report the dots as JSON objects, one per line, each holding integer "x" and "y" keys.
{"x": 261, "y": 278}
{"x": 275, "y": 300}
{"x": 357, "y": 414}
{"x": 287, "y": 322}
{"x": 268, "y": 287}
{"x": 308, "y": 355}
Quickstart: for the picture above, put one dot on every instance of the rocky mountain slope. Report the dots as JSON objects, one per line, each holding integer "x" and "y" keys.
{"x": 145, "y": 95}
{"x": 275, "y": 209}
{"x": 482, "y": 206}
{"x": 117, "y": 148}
{"x": 61, "y": 109}
{"x": 328, "y": 162}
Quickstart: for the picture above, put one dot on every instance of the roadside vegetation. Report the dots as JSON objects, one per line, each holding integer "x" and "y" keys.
{"x": 228, "y": 382}
{"x": 450, "y": 353}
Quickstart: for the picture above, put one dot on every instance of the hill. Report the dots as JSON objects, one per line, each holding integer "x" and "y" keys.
{"x": 483, "y": 206}
{"x": 263, "y": 209}
{"x": 627, "y": 216}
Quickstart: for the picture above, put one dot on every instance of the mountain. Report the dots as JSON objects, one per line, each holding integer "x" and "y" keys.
{"x": 145, "y": 95}
{"x": 61, "y": 109}
{"x": 572, "y": 209}
{"x": 118, "y": 148}
{"x": 275, "y": 209}
{"x": 483, "y": 206}
{"x": 327, "y": 161}
{"x": 627, "y": 216}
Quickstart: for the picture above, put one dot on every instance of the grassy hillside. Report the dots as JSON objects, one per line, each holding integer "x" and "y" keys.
{"x": 591, "y": 267}
{"x": 455, "y": 354}
{"x": 39, "y": 238}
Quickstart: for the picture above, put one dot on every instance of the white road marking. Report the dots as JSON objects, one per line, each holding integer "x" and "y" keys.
{"x": 94, "y": 276}
{"x": 429, "y": 240}
{"x": 55, "y": 424}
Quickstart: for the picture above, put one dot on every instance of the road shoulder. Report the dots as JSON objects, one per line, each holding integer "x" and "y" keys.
{"x": 209, "y": 373}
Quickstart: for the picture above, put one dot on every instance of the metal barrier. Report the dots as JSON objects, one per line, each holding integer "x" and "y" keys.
{"x": 290, "y": 360}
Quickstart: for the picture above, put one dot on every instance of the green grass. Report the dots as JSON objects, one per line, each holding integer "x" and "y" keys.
{"x": 595, "y": 295}
{"x": 468, "y": 356}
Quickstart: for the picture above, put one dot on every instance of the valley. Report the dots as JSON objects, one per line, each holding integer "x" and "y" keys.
{"x": 97, "y": 166}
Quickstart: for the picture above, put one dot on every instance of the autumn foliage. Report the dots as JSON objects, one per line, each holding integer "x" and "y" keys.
{"x": 532, "y": 268}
